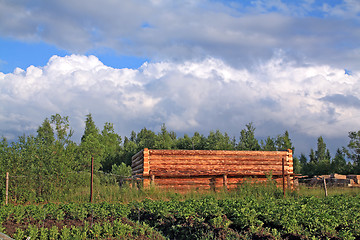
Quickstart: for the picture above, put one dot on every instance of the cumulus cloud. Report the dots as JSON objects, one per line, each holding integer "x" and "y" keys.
{"x": 238, "y": 33}
{"x": 190, "y": 96}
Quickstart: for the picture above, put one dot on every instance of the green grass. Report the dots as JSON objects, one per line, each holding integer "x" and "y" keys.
{"x": 319, "y": 191}
{"x": 113, "y": 193}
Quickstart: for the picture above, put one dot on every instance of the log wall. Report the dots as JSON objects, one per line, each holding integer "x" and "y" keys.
{"x": 210, "y": 169}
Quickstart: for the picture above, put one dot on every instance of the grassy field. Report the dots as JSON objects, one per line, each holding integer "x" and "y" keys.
{"x": 249, "y": 212}
{"x": 252, "y": 211}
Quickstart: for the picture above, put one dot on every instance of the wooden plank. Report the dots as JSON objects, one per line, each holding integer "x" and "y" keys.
{"x": 214, "y": 152}
{"x": 138, "y": 167}
{"x": 213, "y": 160}
{"x": 225, "y": 181}
{"x": 214, "y": 163}
{"x": 206, "y": 169}
{"x": 213, "y": 157}
{"x": 138, "y": 154}
{"x": 174, "y": 174}
{"x": 137, "y": 163}
{"x": 138, "y": 172}
{"x": 218, "y": 168}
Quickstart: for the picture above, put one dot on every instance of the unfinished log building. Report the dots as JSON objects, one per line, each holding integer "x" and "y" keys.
{"x": 210, "y": 169}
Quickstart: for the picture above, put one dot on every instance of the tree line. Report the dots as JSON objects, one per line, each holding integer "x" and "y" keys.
{"x": 51, "y": 151}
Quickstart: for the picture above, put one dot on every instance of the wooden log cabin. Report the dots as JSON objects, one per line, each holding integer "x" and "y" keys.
{"x": 210, "y": 169}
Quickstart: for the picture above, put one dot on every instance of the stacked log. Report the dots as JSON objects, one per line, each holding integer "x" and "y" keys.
{"x": 210, "y": 169}
{"x": 137, "y": 164}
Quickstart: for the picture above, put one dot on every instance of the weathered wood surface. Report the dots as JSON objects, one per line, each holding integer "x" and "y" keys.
{"x": 207, "y": 183}
{"x": 166, "y": 152}
{"x": 209, "y": 168}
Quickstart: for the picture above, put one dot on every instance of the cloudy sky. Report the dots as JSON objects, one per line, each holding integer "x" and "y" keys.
{"x": 195, "y": 65}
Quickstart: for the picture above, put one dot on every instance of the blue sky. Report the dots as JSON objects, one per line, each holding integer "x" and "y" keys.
{"x": 193, "y": 65}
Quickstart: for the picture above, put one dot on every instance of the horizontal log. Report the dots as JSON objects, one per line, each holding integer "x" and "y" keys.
{"x": 138, "y": 154}
{"x": 136, "y": 165}
{"x": 209, "y": 180}
{"x": 180, "y": 166}
{"x": 218, "y": 168}
{"x": 184, "y": 188}
{"x": 206, "y": 173}
{"x": 244, "y": 173}
{"x": 137, "y": 177}
{"x": 213, "y": 163}
{"x": 215, "y": 157}
{"x": 139, "y": 167}
{"x": 139, "y": 171}
{"x": 214, "y": 152}
{"x": 182, "y": 184}
{"x": 199, "y": 187}
{"x": 137, "y": 162}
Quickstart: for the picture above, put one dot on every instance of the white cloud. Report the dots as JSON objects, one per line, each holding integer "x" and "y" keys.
{"x": 191, "y": 96}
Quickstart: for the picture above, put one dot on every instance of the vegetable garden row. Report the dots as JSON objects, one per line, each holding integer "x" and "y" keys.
{"x": 336, "y": 217}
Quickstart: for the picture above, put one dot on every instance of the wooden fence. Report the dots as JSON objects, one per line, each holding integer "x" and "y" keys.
{"x": 210, "y": 169}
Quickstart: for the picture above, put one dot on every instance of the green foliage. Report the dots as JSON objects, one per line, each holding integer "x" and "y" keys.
{"x": 297, "y": 165}
{"x": 353, "y": 150}
{"x": 112, "y": 147}
{"x": 283, "y": 142}
{"x": 250, "y": 212}
{"x": 121, "y": 170}
{"x": 218, "y": 141}
{"x": 19, "y": 234}
{"x": 338, "y": 164}
{"x": 58, "y": 167}
{"x": 248, "y": 140}
{"x": 320, "y": 160}
{"x": 268, "y": 145}
{"x": 165, "y": 139}
{"x": 45, "y": 133}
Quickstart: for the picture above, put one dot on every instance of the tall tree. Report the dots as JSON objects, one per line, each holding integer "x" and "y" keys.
{"x": 218, "y": 141}
{"x": 4, "y": 156}
{"x": 46, "y": 148}
{"x": 322, "y": 153}
{"x": 146, "y": 139}
{"x": 283, "y": 142}
{"x": 90, "y": 145}
{"x": 90, "y": 128}
{"x": 184, "y": 143}
{"x": 319, "y": 160}
{"x": 45, "y": 133}
{"x": 62, "y": 128}
{"x": 297, "y": 165}
{"x": 323, "y": 157}
{"x": 247, "y": 139}
{"x": 312, "y": 156}
{"x": 129, "y": 149}
{"x": 165, "y": 140}
{"x": 338, "y": 164}
{"x": 304, "y": 164}
{"x": 353, "y": 150}
{"x": 269, "y": 144}
{"x": 112, "y": 147}
{"x": 198, "y": 141}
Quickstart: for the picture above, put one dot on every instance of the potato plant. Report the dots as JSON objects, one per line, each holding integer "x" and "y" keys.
{"x": 335, "y": 217}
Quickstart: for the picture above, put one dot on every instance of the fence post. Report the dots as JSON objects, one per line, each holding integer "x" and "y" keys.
{"x": 325, "y": 188}
{"x": 7, "y": 188}
{"x": 152, "y": 180}
{"x": 225, "y": 182}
